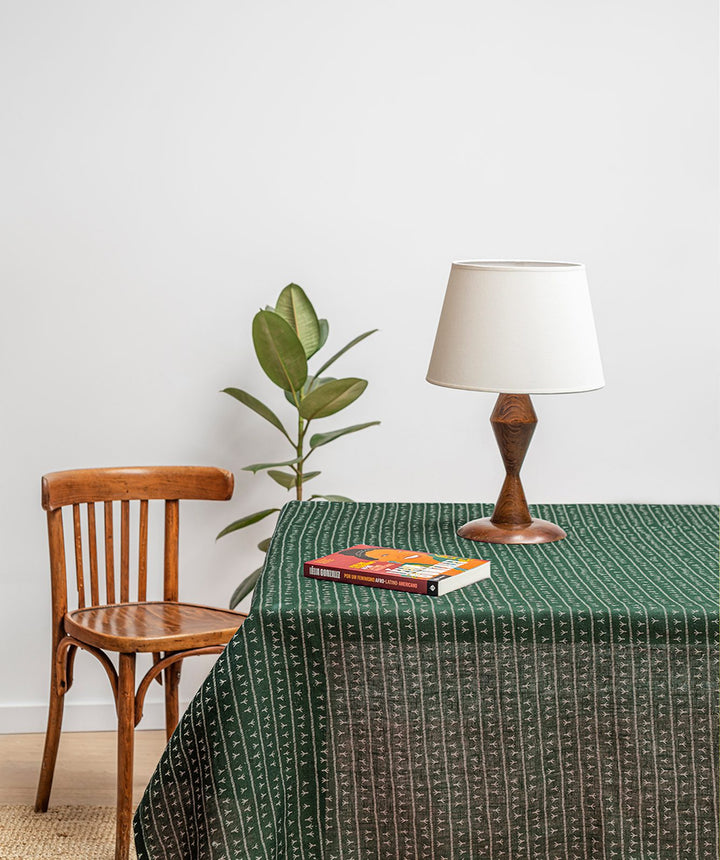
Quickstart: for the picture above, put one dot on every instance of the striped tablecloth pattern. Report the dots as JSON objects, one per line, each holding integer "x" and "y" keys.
{"x": 565, "y": 709}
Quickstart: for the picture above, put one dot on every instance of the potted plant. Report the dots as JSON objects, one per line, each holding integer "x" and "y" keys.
{"x": 285, "y": 338}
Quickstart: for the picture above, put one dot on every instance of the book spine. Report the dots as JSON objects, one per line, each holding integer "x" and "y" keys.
{"x": 372, "y": 580}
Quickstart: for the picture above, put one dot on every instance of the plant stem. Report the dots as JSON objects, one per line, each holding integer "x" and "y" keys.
{"x": 299, "y": 449}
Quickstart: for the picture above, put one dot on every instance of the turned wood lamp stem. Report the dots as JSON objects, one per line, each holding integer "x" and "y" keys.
{"x": 513, "y": 421}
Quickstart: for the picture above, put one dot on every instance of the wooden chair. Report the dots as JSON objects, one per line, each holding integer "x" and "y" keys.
{"x": 108, "y": 620}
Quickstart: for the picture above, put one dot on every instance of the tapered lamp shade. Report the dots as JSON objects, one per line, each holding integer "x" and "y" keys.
{"x": 517, "y": 328}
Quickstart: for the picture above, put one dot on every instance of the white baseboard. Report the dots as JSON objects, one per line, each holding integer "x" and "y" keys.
{"x": 77, "y": 717}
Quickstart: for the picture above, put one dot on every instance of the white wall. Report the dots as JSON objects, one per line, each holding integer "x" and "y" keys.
{"x": 167, "y": 167}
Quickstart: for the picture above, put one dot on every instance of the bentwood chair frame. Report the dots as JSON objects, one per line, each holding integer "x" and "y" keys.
{"x": 168, "y": 629}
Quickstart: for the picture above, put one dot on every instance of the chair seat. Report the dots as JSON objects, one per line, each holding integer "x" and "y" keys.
{"x": 152, "y": 626}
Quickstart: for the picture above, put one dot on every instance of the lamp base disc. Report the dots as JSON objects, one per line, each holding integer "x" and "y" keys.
{"x": 539, "y": 531}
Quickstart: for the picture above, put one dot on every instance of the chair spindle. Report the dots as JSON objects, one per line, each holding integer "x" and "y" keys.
{"x": 78, "y": 557}
{"x": 124, "y": 552}
{"x": 92, "y": 552}
{"x": 171, "y": 550}
{"x": 109, "y": 560}
{"x": 142, "y": 558}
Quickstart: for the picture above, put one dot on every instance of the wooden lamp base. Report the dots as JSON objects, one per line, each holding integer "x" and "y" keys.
{"x": 485, "y": 530}
{"x": 513, "y": 421}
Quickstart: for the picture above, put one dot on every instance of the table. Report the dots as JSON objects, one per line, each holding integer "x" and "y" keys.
{"x": 565, "y": 708}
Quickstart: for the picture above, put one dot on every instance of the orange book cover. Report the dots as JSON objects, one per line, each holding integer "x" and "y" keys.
{"x": 398, "y": 569}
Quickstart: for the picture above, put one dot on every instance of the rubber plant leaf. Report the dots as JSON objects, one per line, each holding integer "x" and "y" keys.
{"x": 331, "y": 397}
{"x": 279, "y": 351}
{"x": 323, "y": 438}
{"x": 247, "y": 521}
{"x": 347, "y": 346}
{"x": 264, "y": 544}
{"x": 297, "y": 310}
{"x": 310, "y": 383}
{"x": 257, "y": 467}
{"x": 285, "y": 479}
{"x": 258, "y": 407}
{"x": 245, "y": 587}
{"x": 324, "y": 332}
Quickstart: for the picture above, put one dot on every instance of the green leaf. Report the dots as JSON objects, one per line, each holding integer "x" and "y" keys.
{"x": 258, "y": 407}
{"x": 323, "y": 438}
{"x": 264, "y": 544}
{"x": 257, "y": 467}
{"x": 324, "y": 326}
{"x": 297, "y": 310}
{"x": 245, "y": 587}
{"x": 279, "y": 351}
{"x": 310, "y": 383}
{"x": 345, "y": 349}
{"x": 331, "y": 397}
{"x": 331, "y": 498}
{"x": 285, "y": 479}
{"x": 247, "y": 521}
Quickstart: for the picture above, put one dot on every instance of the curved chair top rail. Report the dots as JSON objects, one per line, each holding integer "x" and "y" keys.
{"x": 135, "y": 482}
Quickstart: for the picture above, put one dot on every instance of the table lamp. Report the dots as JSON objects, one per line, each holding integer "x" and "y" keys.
{"x": 516, "y": 328}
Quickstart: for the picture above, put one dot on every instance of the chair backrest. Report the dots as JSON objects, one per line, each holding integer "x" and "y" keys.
{"x": 80, "y": 488}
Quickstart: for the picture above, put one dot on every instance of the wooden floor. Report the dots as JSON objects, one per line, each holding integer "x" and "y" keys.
{"x": 85, "y": 770}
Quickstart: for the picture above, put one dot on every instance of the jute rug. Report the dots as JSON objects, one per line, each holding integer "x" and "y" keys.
{"x": 61, "y": 833}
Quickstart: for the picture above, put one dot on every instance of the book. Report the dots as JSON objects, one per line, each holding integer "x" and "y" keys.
{"x": 398, "y": 569}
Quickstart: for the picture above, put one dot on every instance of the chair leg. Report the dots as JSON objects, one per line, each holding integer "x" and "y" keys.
{"x": 125, "y": 746}
{"x": 52, "y": 741}
{"x": 172, "y": 707}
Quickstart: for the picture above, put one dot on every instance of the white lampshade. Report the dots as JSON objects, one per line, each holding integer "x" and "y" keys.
{"x": 517, "y": 328}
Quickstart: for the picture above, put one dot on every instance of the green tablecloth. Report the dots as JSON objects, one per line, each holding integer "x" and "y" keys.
{"x": 565, "y": 708}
